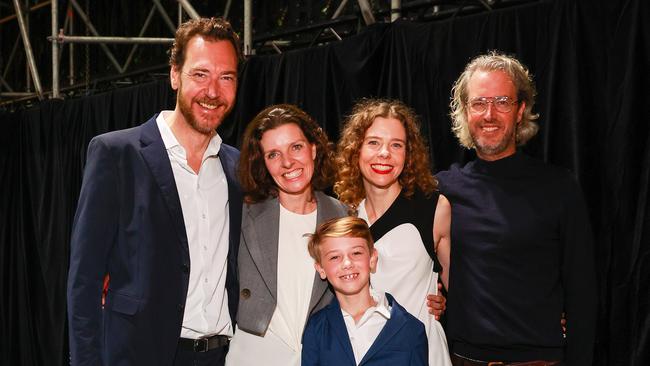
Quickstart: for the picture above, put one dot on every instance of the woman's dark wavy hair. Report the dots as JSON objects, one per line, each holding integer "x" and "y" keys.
{"x": 256, "y": 182}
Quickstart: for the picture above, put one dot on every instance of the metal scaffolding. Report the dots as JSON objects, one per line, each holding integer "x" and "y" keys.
{"x": 59, "y": 37}
{"x": 364, "y": 13}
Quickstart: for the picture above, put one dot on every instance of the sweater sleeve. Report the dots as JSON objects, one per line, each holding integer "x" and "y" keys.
{"x": 579, "y": 279}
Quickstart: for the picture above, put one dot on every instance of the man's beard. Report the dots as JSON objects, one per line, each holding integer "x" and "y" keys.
{"x": 193, "y": 121}
{"x": 499, "y": 147}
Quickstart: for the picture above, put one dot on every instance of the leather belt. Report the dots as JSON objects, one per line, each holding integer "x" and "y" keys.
{"x": 464, "y": 361}
{"x": 203, "y": 344}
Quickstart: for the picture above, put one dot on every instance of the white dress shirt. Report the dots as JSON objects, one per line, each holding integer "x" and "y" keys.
{"x": 363, "y": 333}
{"x": 204, "y": 201}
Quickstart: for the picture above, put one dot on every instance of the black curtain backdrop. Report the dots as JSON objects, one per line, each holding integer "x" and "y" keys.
{"x": 591, "y": 61}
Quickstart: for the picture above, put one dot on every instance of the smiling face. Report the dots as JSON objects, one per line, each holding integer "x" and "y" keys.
{"x": 206, "y": 83}
{"x": 289, "y": 159}
{"x": 493, "y": 132}
{"x": 346, "y": 263}
{"x": 382, "y": 154}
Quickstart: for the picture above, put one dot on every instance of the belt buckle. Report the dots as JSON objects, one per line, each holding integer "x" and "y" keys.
{"x": 201, "y": 345}
{"x": 495, "y": 363}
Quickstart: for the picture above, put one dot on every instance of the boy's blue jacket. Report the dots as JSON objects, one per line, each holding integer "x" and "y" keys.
{"x": 402, "y": 341}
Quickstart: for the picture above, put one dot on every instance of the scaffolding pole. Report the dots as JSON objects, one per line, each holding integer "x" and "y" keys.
{"x": 226, "y": 9}
{"x": 163, "y": 14}
{"x": 366, "y": 12}
{"x": 17, "y": 94}
{"x": 55, "y": 51}
{"x": 248, "y": 28}
{"x": 71, "y": 70}
{"x": 10, "y": 60}
{"x": 35, "y": 7}
{"x": 92, "y": 29}
{"x": 61, "y": 38}
{"x": 339, "y": 10}
{"x": 7, "y": 86}
{"x": 127, "y": 63}
{"x": 189, "y": 9}
{"x": 28, "y": 50}
{"x": 395, "y": 7}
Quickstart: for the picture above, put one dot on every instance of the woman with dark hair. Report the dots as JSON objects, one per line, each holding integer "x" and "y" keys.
{"x": 286, "y": 159}
{"x": 384, "y": 174}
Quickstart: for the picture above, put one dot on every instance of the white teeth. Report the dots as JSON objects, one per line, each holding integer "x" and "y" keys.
{"x": 381, "y": 167}
{"x": 350, "y": 276}
{"x": 490, "y": 129}
{"x": 207, "y": 106}
{"x": 293, "y": 174}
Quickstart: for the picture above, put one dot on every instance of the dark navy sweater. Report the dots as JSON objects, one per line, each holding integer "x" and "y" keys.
{"x": 521, "y": 254}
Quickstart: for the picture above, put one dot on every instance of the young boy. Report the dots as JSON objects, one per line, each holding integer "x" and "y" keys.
{"x": 360, "y": 326}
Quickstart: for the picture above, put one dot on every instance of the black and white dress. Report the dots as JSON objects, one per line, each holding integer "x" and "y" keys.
{"x": 404, "y": 241}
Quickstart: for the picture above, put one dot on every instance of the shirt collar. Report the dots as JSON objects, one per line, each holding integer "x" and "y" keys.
{"x": 382, "y": 307}
{"x": 170, "y": 141}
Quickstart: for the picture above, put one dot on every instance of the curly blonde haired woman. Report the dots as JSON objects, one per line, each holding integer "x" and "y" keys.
{"x": 384, "y": 175}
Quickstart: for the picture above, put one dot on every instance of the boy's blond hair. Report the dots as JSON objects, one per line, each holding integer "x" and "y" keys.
{"x": 343, "y": 227}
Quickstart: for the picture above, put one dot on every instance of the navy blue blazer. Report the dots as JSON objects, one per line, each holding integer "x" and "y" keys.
{"x": 129, "y": 224}
{"x": 402, "y": 341}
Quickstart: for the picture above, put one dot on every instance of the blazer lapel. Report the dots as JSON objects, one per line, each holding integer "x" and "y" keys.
{"x": 229, "y": 158}
{"x": 155, "y": 155}
{"x": 318, "y": 290}
{"x": 262, "y": 239}
{"x": 326, "y": 211}
{"x": 335, "y": 318}
{"x": 229, "y": 164}
{"x": 393, "y": 325}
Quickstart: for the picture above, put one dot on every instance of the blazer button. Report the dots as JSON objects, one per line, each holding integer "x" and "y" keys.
{"x": 245, "y": 293}
{"x": 181, "y": 307}
{"x": 186, "y": 268}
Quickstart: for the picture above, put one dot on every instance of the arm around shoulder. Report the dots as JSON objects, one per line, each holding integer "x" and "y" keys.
{"x": 442, "y": 236}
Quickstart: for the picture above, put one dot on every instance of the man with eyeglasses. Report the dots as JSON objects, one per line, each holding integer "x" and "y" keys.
{"x": 522, "y": 247}
{"x": 158, "y": 222}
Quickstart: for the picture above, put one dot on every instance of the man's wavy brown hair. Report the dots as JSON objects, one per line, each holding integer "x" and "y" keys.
{"x": 214, "y": 29}
{"x": 256, "y": 182}
{"x": 416, "y": 173}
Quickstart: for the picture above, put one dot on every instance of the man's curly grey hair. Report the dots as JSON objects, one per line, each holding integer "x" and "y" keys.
{"x": 522, "y": 79}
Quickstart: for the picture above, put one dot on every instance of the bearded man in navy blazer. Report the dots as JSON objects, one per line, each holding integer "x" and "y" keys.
{"x": 159, "y": 215}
